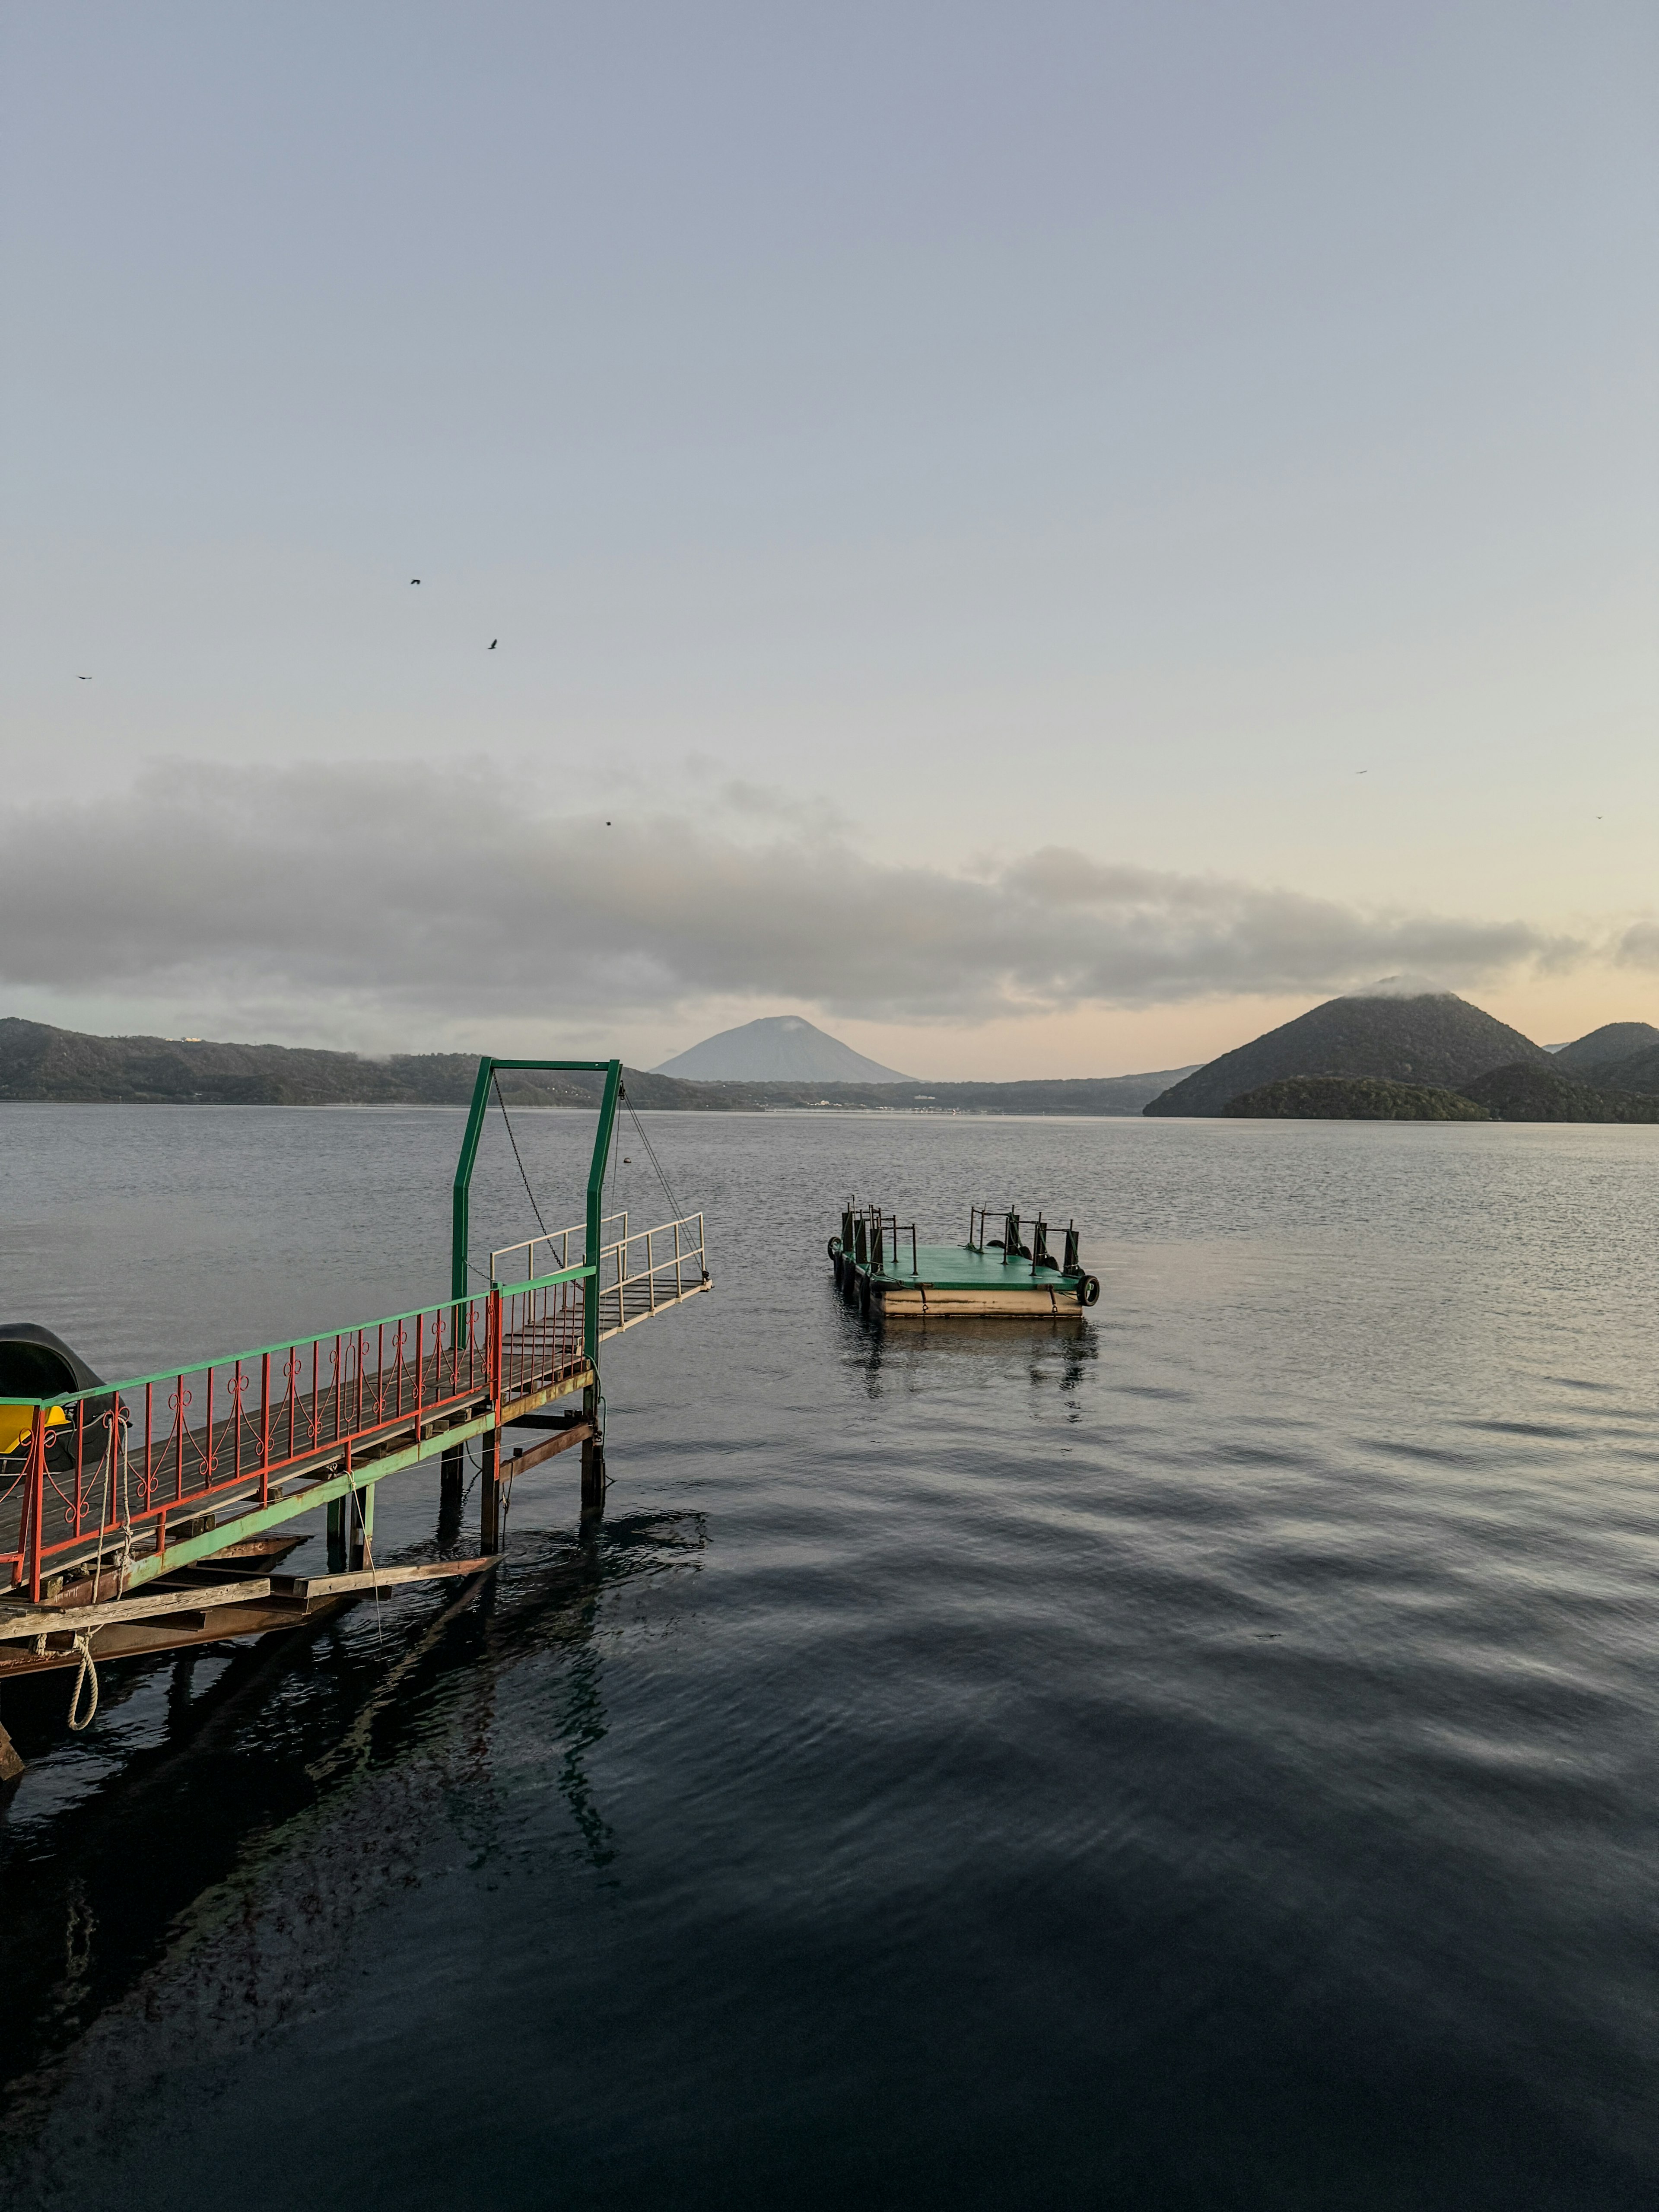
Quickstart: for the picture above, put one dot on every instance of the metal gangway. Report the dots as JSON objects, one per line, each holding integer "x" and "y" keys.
{"x": 144, "y": 1514}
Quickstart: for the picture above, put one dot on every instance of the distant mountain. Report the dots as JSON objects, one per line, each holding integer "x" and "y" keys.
{"x": 777, "y": 1049}
{"x": 1431, "y": 1037}
{"x": 1351, "y": 1098}
{"x": 1527, "y": 1092}
{"x": 1612, "y": 1041}
{"x": 42, "y": 1064}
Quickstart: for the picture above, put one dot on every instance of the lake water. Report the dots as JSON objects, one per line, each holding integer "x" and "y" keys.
{"x": 1203, "y": 1755}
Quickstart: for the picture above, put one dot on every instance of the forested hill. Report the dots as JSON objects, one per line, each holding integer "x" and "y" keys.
{"x": 1613, "y": 1041}
{"x": 1433, "y": 1038}
{"x": 39, "y": 1062}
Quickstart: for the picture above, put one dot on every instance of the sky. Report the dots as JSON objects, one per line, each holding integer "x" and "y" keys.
{"x": 1046, "y": 538}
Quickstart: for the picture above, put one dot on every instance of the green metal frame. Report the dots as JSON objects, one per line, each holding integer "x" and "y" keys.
{"x": 361, "y": 1480}
{"x": 461, "y": 1202}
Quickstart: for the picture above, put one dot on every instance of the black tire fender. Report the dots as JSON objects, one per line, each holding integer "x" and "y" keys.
{"x": 1088, "y": 1291}
{"x": 834, "y": 1248}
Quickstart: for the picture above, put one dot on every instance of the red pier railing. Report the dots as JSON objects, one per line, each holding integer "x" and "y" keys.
{"x": 103, "y": 1473}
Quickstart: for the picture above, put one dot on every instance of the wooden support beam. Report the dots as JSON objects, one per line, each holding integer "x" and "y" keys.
{"x": 532, "y": 1455}
{"x": 16, "y": 1620}
{"x": 373, "y": 1578}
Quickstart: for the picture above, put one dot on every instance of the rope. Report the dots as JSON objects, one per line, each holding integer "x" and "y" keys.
{"x": 83, "y": 1645}
{"x": 495, "y": 1084}
{"x": 114, "y": 1428}
{"x": 356, "y": 1496}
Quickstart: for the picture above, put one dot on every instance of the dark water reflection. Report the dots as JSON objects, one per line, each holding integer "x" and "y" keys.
{"x": 1204, "y": 1754}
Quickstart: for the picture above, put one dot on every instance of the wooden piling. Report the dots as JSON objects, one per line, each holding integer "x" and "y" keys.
{"x": 336, "y": 1535}
{"x": 593, "y": 1455}
{"x": 361, "y": 1550}
{"x": 451, "y": 1490}
{"x": 489, "y": 1492}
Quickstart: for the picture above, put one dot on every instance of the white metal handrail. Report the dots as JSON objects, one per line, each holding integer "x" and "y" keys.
{"x": 555, "y": 1244}
{"x": 675, "y": 1265}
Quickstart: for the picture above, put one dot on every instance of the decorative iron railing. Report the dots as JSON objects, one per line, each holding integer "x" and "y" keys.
{"x": 109, "y": 1466}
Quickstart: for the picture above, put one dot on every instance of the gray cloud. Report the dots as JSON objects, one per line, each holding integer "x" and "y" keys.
{"x": 437, "y": 896}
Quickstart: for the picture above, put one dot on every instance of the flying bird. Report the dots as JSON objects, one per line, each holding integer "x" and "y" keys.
{"x": 414, "y": 580}
{"x": 1362, "y": 771}
{"x": 87, "y": 679}
{"x": 493, "y": 643}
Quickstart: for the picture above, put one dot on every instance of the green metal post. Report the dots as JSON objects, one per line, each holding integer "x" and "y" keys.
{"x": 453, "y": 1474}
{"x": 460, "y": 1199}
{"x": 459, "y": 1208}
{"x": 595, "y": 1210}
{"x": 594, "y": 1446}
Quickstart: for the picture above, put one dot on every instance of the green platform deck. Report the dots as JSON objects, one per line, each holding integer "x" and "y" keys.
{"x": 958, "y": 1278}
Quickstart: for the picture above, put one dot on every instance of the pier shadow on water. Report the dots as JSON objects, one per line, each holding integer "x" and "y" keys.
{"x": 346, "y": 1759}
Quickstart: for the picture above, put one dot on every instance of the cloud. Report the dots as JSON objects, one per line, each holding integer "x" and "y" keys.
{"x": 1639, "y": 946}
{"x": 435, "y": 895}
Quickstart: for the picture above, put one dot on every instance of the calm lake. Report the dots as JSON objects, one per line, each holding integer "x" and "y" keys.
{"x": 1206, "y": 1754}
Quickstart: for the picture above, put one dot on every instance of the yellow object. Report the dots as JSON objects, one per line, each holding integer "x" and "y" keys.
{"x": 16, "y": 1422}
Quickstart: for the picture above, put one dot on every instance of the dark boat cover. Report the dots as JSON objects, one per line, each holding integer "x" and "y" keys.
{"x": 36, "y": 1363}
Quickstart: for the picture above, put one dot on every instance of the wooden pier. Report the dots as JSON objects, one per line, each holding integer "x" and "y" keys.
{"x": 148, "y": 1515}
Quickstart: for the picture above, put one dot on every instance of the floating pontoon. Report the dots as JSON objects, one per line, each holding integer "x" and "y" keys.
{"x": 878, "y": 1262}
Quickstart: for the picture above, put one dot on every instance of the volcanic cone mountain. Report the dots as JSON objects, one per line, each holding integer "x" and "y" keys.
{"x": 778, "y": 1048}
{"x": 1612, "y": 1041}
{"x": 1429, "y": 1036}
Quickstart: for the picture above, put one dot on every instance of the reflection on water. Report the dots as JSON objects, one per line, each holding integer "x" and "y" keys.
{"x": 1200, "y": 1754}
{"x": 329, "y": 1757}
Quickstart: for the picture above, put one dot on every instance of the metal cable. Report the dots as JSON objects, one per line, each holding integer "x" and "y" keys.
{"x": 652, "y": 1153}
{"x": 495, "y": 1086}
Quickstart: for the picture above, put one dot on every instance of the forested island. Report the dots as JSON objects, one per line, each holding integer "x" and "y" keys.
{"x": 1422, "y": 1056}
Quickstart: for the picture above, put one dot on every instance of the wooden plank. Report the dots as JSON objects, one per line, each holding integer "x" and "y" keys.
{"x": 10, "y": 1765}
{"x": 173, "y": 1631}
{"x": 49, "y": 1620}
{"x": 371, "y": 1578}
{"x": 532, "y": 1455}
